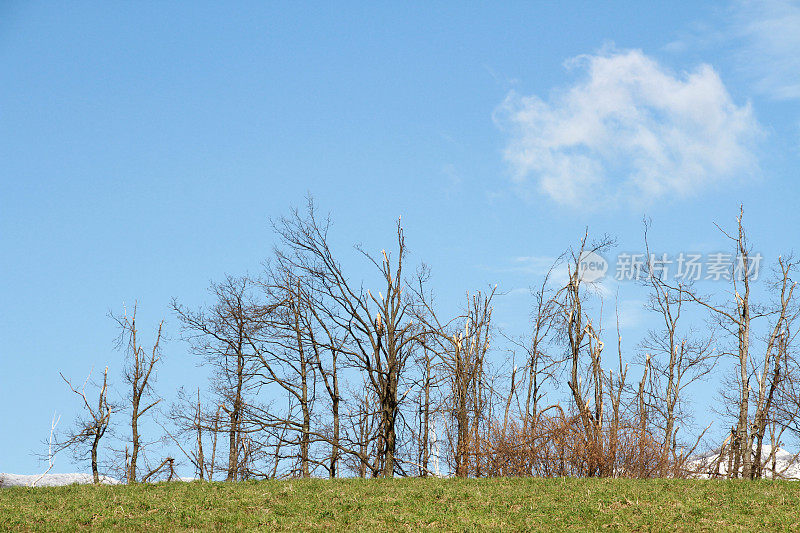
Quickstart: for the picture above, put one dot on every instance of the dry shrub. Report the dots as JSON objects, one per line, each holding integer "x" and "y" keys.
{"x": 557, "y": 445}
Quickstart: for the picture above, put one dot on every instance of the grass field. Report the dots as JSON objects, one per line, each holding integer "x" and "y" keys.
{"x": 410, "y": 504}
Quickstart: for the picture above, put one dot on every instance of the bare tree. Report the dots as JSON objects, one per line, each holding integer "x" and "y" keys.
{"x": 360, "y": 432}
{"x": 427, "y": 363}
{"x": 740, "y": 318}
{"x": 383, "y": 345}
{"x": 735, "y": 317}
{"x": 467, "y": 396}
{"x": 138, "y": 371}
{"x": 540, "y": 366}
{"x": 51, "y": 452}
{"x": 84, "y": 438}
{"x": 380, "y": 333}
{"x": 284, "y": 347}
{"x": 461, "y": 344}
{"x": 583, "y": 338}
{"x": 750, "y": 407}
{"x": 220, "y": 334}
{"x": 195, "y": 430}
{"x": 326, "y": 355}
{"x": 776, "y": 360}
{"x": 674, "y": 358}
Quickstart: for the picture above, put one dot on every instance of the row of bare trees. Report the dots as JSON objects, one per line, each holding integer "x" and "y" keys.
{"x": 315, "y": 372}
{"x": 83, "y": 439}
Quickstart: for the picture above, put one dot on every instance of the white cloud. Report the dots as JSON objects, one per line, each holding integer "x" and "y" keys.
{"x": 631, "y": 313}
{"x": 519, "y": 291}
{"x": 630, "y": 131}
{"x": 533, "y": 264}
{"x": 770, "y": 50}
{"x": 451, "y": 176}
{"x": 557, "y": 270}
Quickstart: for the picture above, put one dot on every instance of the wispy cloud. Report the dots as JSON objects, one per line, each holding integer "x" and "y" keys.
{"x": 503, "y": 81}
{"x": 519, "y": 291}
{"x": 532, "y": 264}
{"x": 556, "y": 270}
{"x": 630, "y": 131}
{"x": 631, "y": 313}
{"x": 452, "y": 178}
{"x": 769, "y": 51}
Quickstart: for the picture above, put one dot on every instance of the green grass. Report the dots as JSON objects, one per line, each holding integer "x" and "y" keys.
{"x": 410, "y": 504}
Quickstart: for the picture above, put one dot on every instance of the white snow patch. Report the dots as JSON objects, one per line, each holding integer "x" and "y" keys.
{"x": 784, "y": 465}
{"x": 51, "y": 480}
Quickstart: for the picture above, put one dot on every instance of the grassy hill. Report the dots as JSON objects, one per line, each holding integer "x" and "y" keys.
{"x": 410, "y": 504}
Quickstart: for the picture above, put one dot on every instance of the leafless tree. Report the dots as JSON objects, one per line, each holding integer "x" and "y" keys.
{"x": 327, "y": 340}
{"x": 735, "y": 317}
{"x": 220, "y": 334}
{"x": 583, "y": 339}
{"x": 672, "y": 355}
{"x": 427, "y": 362}
{"x": 776, "y": 362}
{"x": 540, "y": 366}
{"x": 357, "y": 370}
{"x": 51, "y": 451}
{"x": 138, "y": 374}
{"x": 461, "y": 345}
{"x": 381, "y": 335}
{"x": 194, "y": 429}
{"x": 360, "y": 432}
{"x": 464, "y": 364}
{"x": 84, "y": 438}
{"x": 309, "y": 321}
{"x": 284, "y": 347}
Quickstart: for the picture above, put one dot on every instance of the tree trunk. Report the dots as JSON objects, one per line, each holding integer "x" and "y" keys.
{"x": 335, "y": 408}
{"x": 199, "y": 426}
{"x": 233, "y": 435}
{"x": 135, "y": 439}
{"x": 305, "y": 436}
{"x": 95, "y": 472}
{"x": 389, "y": 412}
{"x": 426, "y": 418}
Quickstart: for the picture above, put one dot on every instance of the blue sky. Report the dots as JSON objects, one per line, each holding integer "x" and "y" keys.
{"x": 144, "y": 147}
